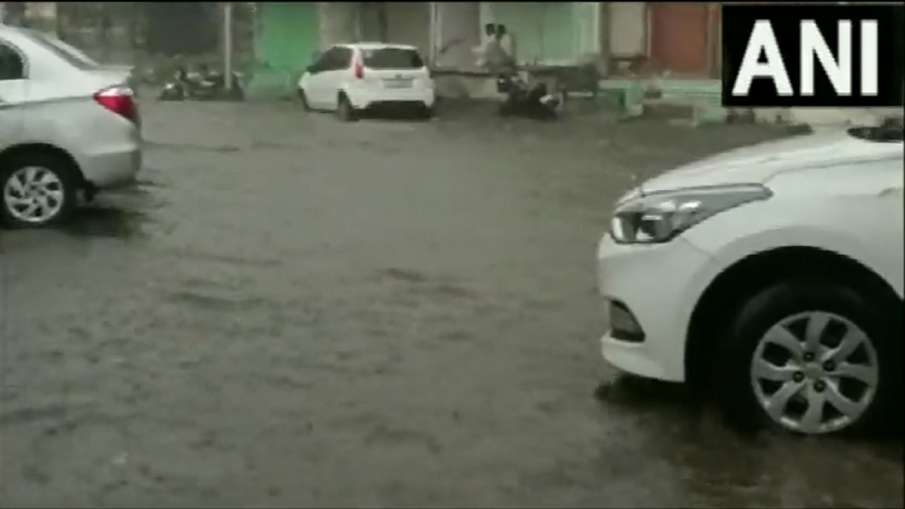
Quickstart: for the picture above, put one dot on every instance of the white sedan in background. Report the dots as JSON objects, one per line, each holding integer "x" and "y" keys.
{"x": 350, "y": 78}
{"x": 773, "y": 271}
{"x": 67, "y": 125}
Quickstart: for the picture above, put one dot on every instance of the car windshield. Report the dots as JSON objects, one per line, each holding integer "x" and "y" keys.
{"x": 392, "y": 58}
{"x": 65, "y": 51}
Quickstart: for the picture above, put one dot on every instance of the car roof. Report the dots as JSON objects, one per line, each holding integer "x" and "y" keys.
{"x": 11, "y": 32}
{"x": 378, "y": 45}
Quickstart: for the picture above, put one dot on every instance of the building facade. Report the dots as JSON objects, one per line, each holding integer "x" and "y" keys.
{"x": 643, "y": 53}
{"x": 546, "y": 33}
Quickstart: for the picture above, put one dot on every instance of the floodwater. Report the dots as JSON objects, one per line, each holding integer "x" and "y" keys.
{"x": 291, "y": 311}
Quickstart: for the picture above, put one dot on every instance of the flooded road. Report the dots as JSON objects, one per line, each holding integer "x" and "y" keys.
{"x": 293, "y": 311}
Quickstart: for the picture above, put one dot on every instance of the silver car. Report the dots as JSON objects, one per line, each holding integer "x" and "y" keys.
{"x": 68, "y": 127}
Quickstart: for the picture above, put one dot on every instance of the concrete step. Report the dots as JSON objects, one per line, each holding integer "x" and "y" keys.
{"x": 658, "y": 108}
{"x": 685, "y": 111}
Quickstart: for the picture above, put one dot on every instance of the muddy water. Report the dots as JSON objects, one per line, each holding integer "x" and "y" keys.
{"x": 292, "y": 311}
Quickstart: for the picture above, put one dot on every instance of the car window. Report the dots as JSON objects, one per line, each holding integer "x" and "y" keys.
{"x": 392, "y": 58}
{"x": 341, "y": 58}
{"x": 891, "y": 131}
{"x": 328, "y": 61}
{"x": 323, "y": 62}
{"x": 68, "y": 53}
{"x": 11, "y": 65}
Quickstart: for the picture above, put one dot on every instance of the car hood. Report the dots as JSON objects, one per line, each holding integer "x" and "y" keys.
{"x": 758, "y": 163}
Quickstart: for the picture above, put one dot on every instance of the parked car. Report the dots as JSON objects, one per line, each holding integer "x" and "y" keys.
{"x": 772, "y": 272}
{"x": 350, "y": 78}
{"x": 68, "y": 127}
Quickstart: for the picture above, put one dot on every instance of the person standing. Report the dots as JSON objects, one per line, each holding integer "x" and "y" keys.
{"x": 487, "y": 39}
{"x": 507, "y": 43}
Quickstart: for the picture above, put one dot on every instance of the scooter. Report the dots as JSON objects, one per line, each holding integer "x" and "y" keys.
{"x": 533, "y": 102}
{"x": 200, "y": 86}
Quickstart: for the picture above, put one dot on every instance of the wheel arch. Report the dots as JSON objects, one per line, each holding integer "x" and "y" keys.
{"x": 723, "y": 296}
{"x": 44, "y": 148}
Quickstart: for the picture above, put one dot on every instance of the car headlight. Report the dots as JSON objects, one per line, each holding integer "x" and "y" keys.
{"x": 659, "y": 217}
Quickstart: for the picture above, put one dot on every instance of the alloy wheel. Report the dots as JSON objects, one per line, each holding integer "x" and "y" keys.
{"x": 815, "y": 372}
{"x": 34, "y": 195}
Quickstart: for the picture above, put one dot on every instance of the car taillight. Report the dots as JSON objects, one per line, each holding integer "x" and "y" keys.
{"x": 359, "y": 69}
{"x": 118, "y": 100}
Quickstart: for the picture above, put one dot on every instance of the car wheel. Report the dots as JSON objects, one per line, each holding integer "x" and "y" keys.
{"x": 427, "y": 112}
{"x": 38, "y": 190}
{"x": 344, "y": 109}
{"x": 304, "y": 100}
{"x": 807, "y": 356}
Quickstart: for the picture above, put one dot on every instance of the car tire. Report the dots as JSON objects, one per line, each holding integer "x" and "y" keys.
{"x": 54, "y": 192}
{"x": 344, "y": 109}
{"x": 304, "y": 100}
{"x": 767, "y": 329}
{"x": 427, "y": 112}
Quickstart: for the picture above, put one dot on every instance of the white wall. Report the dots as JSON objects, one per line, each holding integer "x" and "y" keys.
{"x": 409, "y": 23}
{"x": 628, "y": 29}
{"x": 457, "y": 31}
{"x": 339, "y": 22}
{"x": 370, "y": 19}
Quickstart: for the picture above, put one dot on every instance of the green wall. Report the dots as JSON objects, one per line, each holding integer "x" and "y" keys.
{"x": 286, "y": 36}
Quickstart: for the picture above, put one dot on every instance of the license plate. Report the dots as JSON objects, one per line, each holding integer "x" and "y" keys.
{"x": 397, "y": 83}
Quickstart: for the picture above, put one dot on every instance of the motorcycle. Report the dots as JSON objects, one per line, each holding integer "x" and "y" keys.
{"x": 205, "y": 85}
{"x": 522, "y": 100}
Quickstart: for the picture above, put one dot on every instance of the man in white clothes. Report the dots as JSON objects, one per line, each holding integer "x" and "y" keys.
{"x": 507, "y": 43}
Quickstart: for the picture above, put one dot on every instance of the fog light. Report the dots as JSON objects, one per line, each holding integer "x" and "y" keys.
{"x": 623, "y": 324}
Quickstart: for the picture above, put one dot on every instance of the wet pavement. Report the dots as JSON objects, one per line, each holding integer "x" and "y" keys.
{"x": 292, "y": 311}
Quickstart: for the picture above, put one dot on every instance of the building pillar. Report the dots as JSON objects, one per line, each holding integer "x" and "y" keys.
{"x": 228, "y": 45}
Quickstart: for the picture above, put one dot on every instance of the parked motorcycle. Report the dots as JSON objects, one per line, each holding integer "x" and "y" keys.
{"x": 522, "y": 100}
{"x": 205, "y": 85}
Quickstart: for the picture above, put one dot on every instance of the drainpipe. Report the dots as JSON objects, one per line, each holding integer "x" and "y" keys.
{"x": 228, "y": 45}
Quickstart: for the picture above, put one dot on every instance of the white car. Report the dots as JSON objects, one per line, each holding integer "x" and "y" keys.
{"x": 349, "y": 78}
{"x": 68, "y": 126}
{"x": 774, "y": 272}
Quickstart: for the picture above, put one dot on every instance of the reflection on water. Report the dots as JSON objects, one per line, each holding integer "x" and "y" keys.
{"x": 105, "y": 221}
{"x": 116, "y": 214}
{"x": 717, "y": 463}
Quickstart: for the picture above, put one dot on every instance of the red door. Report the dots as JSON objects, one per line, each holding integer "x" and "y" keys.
{"x": 679, "y": 38}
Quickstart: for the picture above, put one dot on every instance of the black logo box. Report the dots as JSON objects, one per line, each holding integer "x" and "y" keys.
{"x": 738, "y": 23}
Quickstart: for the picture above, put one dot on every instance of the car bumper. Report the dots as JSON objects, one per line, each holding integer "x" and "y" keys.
{"x": 113, "y": 169}
{"x": 364, "y": 99}
{"x": 656, "y": 286}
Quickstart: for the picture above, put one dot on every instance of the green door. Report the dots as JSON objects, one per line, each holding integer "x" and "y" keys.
{"x": 543, "y": 31}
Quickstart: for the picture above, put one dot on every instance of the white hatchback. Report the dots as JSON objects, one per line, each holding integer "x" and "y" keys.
{"x": 773, "y": 271}
{"x": 349, "y": 78}
{"x": 67, "y": 125}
